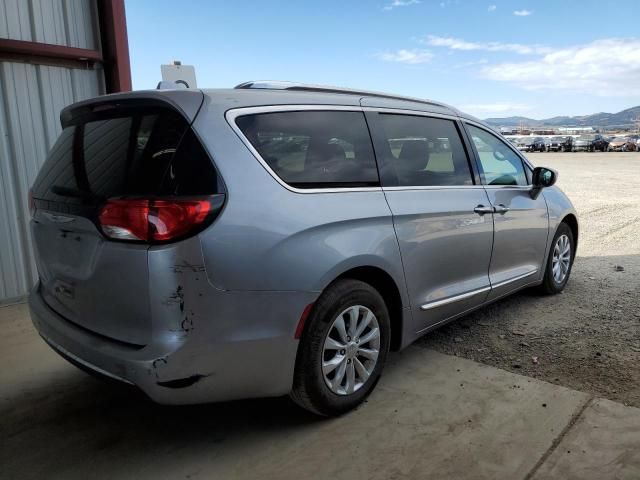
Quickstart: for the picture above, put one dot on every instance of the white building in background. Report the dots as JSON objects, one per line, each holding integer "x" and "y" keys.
{"x": 576, "y": 130}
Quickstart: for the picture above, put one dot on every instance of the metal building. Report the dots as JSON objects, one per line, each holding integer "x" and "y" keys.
{"x": 52, "y": 53}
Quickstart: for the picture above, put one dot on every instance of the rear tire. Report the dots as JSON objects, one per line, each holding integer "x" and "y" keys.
{"x": 559, "y": 262}
{"x": 328, "y": 391}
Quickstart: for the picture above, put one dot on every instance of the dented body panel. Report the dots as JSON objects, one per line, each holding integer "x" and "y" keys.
{"x": 199, "y": 350}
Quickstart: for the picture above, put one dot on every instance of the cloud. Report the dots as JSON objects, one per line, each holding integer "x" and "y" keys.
{"x": 522, "y": 13}
{"x": 411, "y": 57}
{"x": 400, "y": 3}
{"x": 498, "y": 108}
{"x": 472, "y": 63}
{"x": 459, "y": 44}
{"x": 607, "y": 67}
{"x": 492, "y": 8}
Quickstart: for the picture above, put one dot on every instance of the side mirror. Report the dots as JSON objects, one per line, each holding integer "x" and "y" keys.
{"x": 544, "y": 177}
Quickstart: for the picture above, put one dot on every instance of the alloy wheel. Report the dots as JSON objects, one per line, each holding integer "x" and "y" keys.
{"x": 561, "y": 259}
{"x": 351, "y": 349}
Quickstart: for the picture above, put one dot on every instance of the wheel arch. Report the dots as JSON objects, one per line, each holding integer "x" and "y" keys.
{"x": 571, "y": 220}
{"x": 388, "y": 289}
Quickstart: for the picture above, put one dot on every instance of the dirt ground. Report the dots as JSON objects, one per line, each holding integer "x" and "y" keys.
{"x": 587, "y": 338}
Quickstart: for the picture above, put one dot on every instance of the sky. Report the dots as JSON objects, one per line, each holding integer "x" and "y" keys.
{"x": 490, "y": 58}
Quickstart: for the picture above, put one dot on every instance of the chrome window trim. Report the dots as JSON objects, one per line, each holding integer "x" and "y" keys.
{"x": 463, "y": 296}
{"x": 403, "y": 111}
{"x": 508, "y": 187}
{"x": 433, "y": 187}
{"x": 232, "y": 114}
{"x": 456, "y": 298}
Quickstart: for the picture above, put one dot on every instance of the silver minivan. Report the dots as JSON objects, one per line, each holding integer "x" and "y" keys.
{"x": 277, "y": 238}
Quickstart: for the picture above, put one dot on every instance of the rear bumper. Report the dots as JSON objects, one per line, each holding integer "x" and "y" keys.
{"x": 200, "y": 367}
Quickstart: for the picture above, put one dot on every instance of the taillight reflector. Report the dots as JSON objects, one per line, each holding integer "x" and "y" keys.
{"x": 302, "y": 321}
{"x": 152, "y": 220}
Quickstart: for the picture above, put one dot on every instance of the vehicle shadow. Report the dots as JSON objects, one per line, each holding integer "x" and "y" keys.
{"x": 59, "y": 427}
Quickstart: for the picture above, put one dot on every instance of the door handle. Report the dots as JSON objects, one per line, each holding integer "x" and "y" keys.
{"x": 481, "y": 209}
{"x": 501, "y": 209}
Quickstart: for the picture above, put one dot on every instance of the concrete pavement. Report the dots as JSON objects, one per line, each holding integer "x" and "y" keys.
{"x": 431, "y": 416}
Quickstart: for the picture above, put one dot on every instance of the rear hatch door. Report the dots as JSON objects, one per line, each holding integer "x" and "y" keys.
{"x": 107, "y": 149}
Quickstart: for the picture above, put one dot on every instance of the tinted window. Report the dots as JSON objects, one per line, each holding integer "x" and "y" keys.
{"x": 422, "y": 151}
{"x": 141, "y": 153}
{"x": 314, "y": 149}
{"x": 500, "y": 164}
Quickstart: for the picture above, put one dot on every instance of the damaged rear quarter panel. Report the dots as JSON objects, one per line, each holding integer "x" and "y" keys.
{"x": 242, "y": 340}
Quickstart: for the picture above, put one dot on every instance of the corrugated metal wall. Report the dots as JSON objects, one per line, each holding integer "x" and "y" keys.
{"x": 31, "y": 97}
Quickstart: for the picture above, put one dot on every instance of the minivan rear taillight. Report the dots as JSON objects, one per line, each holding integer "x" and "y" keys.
{"x": 153, "y": 220}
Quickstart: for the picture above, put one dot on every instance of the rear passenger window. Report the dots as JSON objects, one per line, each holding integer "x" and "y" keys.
{"x": 422, "y": 151}
{"x": 314, "y": 149}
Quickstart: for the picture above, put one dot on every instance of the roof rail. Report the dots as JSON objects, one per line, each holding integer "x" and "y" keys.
{"x": 304, "y": 87}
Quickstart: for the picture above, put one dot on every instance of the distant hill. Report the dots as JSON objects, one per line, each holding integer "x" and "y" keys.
{"x": 602, "y": 119}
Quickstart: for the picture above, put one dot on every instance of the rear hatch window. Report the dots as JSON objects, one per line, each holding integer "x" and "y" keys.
{"x": 124, "y": 153}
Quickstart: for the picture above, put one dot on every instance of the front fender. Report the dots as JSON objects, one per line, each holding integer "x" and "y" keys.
{"x": 559, "y": 207}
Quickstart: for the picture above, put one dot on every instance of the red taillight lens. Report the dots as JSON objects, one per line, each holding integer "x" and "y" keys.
{"x": 153, "y": 220}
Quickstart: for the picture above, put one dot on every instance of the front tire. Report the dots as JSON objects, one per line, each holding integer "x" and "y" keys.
{"x": 559, "y": 261}
{"x": 343, "y": 348}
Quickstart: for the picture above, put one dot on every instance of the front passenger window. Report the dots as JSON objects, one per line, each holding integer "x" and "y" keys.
{"x": 500, "y": 164}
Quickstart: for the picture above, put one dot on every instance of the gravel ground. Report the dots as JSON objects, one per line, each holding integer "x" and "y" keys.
{"x": 587, "y": 338}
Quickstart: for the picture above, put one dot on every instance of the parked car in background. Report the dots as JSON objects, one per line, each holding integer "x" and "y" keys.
{"x": 560, "y": 144}
{"x": 635, "y": 138}
{"x": 160, "y": 264}
{"x": 590, "y": 143}
{"x": 531, "y": 144}
{"x": 567, "y": 146}
{"x": 622, "y": 144}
